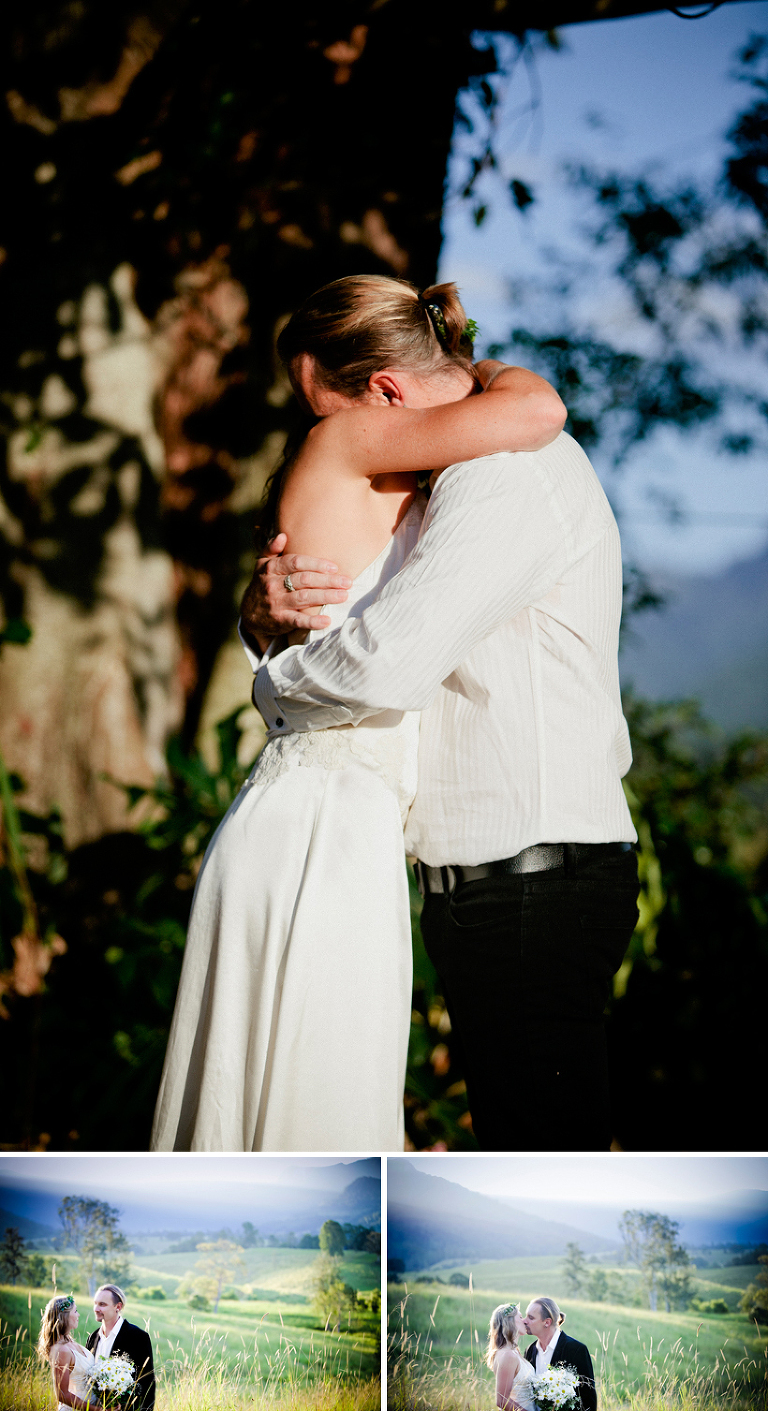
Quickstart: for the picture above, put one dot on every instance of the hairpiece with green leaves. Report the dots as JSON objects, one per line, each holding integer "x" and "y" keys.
{"x": 67, "y": 1302}
{"x": 472, "y": 332}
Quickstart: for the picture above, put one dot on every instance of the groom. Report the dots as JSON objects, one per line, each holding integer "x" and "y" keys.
{"x": 118, "y": 1335}
{"x": 502, "y": 629}
{"x": 554, "y": 1348}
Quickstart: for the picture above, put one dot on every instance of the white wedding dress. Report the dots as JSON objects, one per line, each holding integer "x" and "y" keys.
{"x": 521, "y": 1387}
{"x": 78, "y": 1377}
{"x": 291, "y": 1025}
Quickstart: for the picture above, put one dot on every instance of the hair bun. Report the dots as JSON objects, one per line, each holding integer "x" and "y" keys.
{"x": 446, "y": 299}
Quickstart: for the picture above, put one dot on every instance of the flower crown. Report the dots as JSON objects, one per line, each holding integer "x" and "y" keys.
{"x": 66, "y": 1302}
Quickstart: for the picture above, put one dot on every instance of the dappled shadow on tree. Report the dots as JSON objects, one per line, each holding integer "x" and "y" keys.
{"x": 263, "y": 143}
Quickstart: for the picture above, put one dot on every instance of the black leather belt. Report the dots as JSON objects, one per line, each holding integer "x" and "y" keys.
{"x": 542, "y": 857}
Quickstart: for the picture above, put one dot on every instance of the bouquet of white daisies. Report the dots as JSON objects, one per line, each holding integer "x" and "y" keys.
{"x": 112, "y": 1379}
{"x": 557, "y": 1389}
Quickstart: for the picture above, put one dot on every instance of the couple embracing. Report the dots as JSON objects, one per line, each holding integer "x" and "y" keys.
{"x": 517, "y": 1374}
{"x": 460, "y": 682}
{"x": 116, "y": 1358}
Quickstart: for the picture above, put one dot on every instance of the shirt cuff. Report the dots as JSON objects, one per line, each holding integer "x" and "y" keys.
{"x": 255, "y": 657}
{"x": 265, "y": 702}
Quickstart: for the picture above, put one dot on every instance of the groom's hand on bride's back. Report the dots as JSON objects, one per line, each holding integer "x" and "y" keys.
{"x": 269, "y": 609}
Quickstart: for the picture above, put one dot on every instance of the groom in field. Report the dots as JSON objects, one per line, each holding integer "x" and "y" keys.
{"x": 502, "y": 629}
{"x": 554, "y": 1348}
{"x": 115, "y": 1335}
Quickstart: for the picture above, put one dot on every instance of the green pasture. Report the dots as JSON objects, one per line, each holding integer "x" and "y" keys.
{"x": 276, "y": 1271}
{"x": 544, "y": 1273}
{"x": 273, "y": 1342}
{"x": 442, "y": 1328}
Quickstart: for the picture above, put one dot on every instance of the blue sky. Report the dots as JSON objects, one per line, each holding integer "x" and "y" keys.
{"x": 606, "y": 1180}
{"x": 653, "y": 91}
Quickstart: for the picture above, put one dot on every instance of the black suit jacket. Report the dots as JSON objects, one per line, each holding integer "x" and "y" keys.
{"x": 137, "y": 1345}
{"x": 570, "y": 1353}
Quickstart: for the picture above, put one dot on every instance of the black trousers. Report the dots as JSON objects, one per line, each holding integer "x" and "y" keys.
{"x": 526, "y": 964}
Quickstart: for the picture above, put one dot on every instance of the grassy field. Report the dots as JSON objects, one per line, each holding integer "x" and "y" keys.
{"x": 541, "y": 1273}
{"x": 267, "y": 1350}
{"x": 27, "y": 1386}
{"x": 272, "y": 1271}
{"x": 436, "y": 1337}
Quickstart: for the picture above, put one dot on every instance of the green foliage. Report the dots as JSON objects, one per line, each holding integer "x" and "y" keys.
{"x": 198, "y": 1301}
{"x": 220, "y": 1262}
{"x": 332, "y": 1239}
{"x": 155, "y": 1293}
{"x": 122, "y": 903}
{"x": 651, "y": 1244}
{"x": 698, "y": 801}
{"x": 91, "y": 1227}
{"x": 709, "y": 1305}
{"x": 37, "y": 1271}
{"x": 574, "y": 1268}
{"x": 12, "y": 1255}
{"x": 333, "y": 1297}
{"x": 755, "y": 1300}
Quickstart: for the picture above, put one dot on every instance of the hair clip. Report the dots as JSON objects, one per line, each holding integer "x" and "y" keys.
{"x": 436, "y": 315}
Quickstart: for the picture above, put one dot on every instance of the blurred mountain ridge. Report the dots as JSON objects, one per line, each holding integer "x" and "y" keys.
{"x": 708, "y": 641}
{"x": 272, "y": 1208}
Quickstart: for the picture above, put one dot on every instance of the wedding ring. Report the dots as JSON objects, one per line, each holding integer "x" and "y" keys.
{"x": 287, "y": 584}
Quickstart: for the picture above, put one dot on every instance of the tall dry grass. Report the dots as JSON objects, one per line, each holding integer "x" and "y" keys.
{"x": 203, "y": 1381}
{"x": 419, "y": 1381}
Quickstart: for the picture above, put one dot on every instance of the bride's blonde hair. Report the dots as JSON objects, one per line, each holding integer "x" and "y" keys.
{"x": 54, "y": 1325}
{"x": 365, "y": 322}
{"x": 502, "y": 1332}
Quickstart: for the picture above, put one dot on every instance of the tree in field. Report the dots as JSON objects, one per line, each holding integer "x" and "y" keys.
{"x": 37, "y": 1271}
{"x": 332, "y": 1238}
{"x": 651, "y": 1244}
{"x": 754, "y": 1301}
{"x": 309, "y": 1242}
{"x": 574, "y": 1268}
{"x": 219, "y": 1266}
{"x": 12, "y": 1257}
{"x": 332, "y": 1297}
{"x": 597, "y": 1285}
{"x": 91, "y": 1229}
{"x": 250, "y": 1235}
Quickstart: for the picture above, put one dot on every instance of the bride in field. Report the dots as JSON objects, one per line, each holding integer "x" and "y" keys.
{"x": 70, "y": 1363}
{"x": 291, "y": 1025}
{"x": 514, "y": 1376}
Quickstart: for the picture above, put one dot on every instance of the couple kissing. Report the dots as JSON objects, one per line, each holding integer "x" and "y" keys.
{"x": 521, "y": 1377}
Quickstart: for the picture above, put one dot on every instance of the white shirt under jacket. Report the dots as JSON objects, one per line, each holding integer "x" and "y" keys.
{"x": 502, "y": 629}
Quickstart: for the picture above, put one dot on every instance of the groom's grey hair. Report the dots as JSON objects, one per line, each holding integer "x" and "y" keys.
{"x": 549, "y": 1309}
{"x": 117, "y": 1294}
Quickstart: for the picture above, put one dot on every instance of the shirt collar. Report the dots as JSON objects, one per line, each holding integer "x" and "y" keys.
{"x": 550, "y": 1347}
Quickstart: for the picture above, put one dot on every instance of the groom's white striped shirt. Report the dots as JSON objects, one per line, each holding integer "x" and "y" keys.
{"x": 502, "y": 629}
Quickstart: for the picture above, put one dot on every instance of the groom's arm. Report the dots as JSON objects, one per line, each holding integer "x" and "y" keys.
{"x": 495, "y": 540}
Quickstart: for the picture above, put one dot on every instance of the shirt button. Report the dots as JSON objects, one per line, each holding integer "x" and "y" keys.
{"x": 279, "y": 721}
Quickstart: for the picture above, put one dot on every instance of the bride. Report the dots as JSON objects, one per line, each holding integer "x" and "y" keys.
{"x": 291, "y": 1025}
{"x": 514, "y": 1376}
{"x": 70, "y": 1363}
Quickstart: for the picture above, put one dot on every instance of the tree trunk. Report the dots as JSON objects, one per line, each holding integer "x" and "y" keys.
{"x": 177, "y": 185}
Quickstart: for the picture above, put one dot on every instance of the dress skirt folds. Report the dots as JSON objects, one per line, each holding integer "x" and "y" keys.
{"x": 291, "y": 1025}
